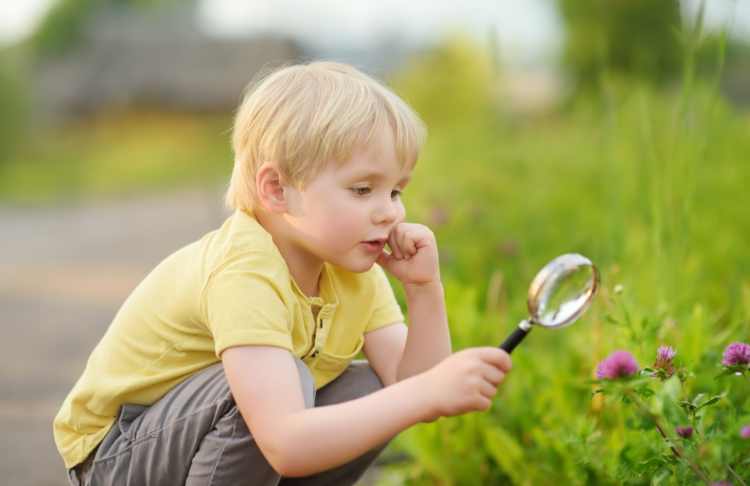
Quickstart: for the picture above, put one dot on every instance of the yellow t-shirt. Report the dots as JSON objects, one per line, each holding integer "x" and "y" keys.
{"x": 231, "y": 288}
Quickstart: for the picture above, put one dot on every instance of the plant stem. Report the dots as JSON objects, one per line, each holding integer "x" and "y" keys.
{"x": 735, "y": 474}
{"x": 690, "y": 464}
{"x": 726, "y": 463}
{"x": 684, "y": 390}
{"x": 743, "y": 374}
{"x": 654, "y": 419}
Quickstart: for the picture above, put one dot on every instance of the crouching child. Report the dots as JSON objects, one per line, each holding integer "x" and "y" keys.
{"x": 233, "y": 361}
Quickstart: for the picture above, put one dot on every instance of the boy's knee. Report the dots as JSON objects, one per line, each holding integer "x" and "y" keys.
{"x": 367, "y": 380}
{"x": 358, "y": 380}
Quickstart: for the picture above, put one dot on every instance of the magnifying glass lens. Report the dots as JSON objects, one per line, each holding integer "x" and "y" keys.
{"x": 566, "y": 296}
{"x": 559, "y": 294}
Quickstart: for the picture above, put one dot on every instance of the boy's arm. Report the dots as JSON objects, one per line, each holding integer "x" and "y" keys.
{"x": 394, "y": 353}
{"x": 299, "y": 442}
{"x": 429, "y": 340}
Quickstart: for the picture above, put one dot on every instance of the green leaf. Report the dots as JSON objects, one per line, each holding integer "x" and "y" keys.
{"x": 647, "y": 465}
{"x": 646, "y": 392}
{"x": 673, "y": 460}
{"x": 711, "y": 431}
{"x": 639, "y": 423}
{"x": 712, "y": 401}
{"x": 600, "y": 390}
{"x": 662, "y": 476}
{"x": 688, "y": 407}
{"x": 626, "y": 400}
{"x": 731, "y": 370}
{"x": 697, "y": 399}
{"x": 657, "y": 373}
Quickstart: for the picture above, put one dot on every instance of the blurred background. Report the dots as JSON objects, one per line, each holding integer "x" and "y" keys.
{"x": 618, "y": 129}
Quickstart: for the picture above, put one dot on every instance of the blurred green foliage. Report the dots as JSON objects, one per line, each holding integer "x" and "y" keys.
{"x": 651, "y": 187}
{"x": 66, "y": 22}
{"x": 637, "y": 38}
{"x": 63, "y": 26}
{"x": 13, "y": 105}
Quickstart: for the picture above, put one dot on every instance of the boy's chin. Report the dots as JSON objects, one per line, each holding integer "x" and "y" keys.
{"x": 360, "y": 266}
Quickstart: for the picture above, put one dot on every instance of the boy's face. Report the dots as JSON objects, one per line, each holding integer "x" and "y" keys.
{"x": 345, "y": 215}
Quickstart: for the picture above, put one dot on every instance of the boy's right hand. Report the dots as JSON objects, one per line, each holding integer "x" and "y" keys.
{"x": 464, "y": 382}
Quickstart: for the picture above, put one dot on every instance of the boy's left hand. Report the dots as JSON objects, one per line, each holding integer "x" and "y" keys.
{"x": 413, "y": 259}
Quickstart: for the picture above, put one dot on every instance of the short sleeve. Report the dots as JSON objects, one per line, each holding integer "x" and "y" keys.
{"x": 386, "y": 310}
{"x": 247, "y": 302}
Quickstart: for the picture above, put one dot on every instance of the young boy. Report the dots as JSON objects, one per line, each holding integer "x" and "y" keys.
{"x": 231, "y": 363}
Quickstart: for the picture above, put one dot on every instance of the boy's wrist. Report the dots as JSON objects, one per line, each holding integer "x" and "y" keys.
{"x": 421, "y": 389}
{"x": 434, "y": 287}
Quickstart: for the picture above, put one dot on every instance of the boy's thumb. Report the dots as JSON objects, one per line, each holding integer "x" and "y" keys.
{"x": 384, "y": 259}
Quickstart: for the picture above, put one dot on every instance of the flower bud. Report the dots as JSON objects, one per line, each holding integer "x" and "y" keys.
{"x": 617, "y": 365}
{"x": 684, "y": 432}
{"x": 736, "y": 354}
{"x": 664, "y": 357}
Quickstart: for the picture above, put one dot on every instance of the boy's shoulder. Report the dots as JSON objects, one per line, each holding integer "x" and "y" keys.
{"x": 240, "y": 235}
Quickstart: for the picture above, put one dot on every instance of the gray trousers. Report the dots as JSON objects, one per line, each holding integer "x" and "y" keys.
{"x": 195, "y": 435}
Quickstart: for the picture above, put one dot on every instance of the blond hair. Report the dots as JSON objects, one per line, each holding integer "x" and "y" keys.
{"x": 304, "y": 117}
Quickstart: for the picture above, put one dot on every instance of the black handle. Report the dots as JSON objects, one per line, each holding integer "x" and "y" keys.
{"x": 515, "y": 338}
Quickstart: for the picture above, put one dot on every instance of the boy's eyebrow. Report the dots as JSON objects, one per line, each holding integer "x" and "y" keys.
{"x": 376, "y": 174}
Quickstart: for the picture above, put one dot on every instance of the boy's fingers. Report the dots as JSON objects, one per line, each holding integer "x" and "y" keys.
{"x": 384, "y": 259}
{"x": 493, "y": 375}
{"x": 393, "y": 244}
{"x": 497, "y": 357}
{"x": 408, "y": 243}
{"x": 488, "y": 390}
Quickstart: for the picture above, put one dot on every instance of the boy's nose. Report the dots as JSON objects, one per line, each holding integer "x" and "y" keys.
{"x": 386, "y": 212}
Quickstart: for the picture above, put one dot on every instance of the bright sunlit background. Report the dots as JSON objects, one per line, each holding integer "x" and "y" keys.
{"x": 616, "y": 129}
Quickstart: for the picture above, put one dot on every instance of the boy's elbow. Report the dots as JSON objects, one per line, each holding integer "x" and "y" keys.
{"x": 286, "y": 465}
{"x": 280, "y": 455}
{"x": 286, "y": 468}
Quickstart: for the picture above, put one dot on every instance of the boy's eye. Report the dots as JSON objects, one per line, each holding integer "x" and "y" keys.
{"x": 361, "y": 191}
{"x": 395, "y": 193}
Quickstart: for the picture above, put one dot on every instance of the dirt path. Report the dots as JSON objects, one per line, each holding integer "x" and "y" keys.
{"x": 64, "y": 272}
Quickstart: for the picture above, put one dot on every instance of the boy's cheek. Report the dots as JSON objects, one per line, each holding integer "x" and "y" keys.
{"x": 401, "y": 213}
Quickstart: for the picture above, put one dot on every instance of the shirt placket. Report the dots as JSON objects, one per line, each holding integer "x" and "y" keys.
{"x": 322, "y": 326}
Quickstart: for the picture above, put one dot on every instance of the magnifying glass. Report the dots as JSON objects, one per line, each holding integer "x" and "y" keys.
{"x": 559, "y": 294}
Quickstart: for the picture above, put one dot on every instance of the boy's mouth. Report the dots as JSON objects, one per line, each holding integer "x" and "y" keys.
{"x": 373, "y": 246}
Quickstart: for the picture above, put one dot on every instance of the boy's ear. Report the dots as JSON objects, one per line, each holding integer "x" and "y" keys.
{"x": 272, "y": 188}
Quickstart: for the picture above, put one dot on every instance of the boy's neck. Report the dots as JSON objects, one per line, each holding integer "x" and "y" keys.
{"x": 303, "y": 267}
